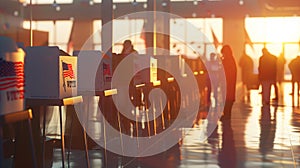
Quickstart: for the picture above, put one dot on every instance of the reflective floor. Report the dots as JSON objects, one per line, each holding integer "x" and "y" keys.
{"x": 256, "y": 136}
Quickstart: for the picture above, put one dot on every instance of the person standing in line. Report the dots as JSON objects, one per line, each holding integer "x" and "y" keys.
{"x": 246, "y": 64}
{"x": 214, "y": 67}
{"x": 280, "y": 68}
{"x": 294, "y": 67}
{"x": 280, "y": 74}
{"x": 230, "y": 69}
{"x": 267, "y": 73}
{"x": 128, "y": 48}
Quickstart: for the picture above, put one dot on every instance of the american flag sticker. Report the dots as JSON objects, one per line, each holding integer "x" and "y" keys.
{"x": 106, "y": 69}
{"x": 11, "y": 75}
{"x": 67, "y": 70}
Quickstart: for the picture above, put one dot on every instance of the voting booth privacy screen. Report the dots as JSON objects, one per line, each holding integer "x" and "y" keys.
{"x": 175, "y": 62}
{"x": 147, "y": 75}
{"x": 50, "y": 75}
{"x": 12, "y": 81}
{"x": 94, "y": 70}
{"x": 143, "y": 67}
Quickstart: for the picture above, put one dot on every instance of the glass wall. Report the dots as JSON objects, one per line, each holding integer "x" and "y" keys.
{"x": 277, "y": 34}
{"x": 122, "y": 30}
{"x": 190, "y": 37}
{"x": 59, "y": 31}
{"x": 196, "y": 37}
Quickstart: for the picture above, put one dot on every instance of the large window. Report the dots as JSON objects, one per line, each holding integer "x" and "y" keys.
{"x": 196, "y": 37}
{"x": 59, "y": 31}
{"x": 190, "y": 37}
{"x": 277, "y": 34}
{"x": 122, "y": 30}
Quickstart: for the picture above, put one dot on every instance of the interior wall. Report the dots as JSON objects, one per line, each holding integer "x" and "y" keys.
{"x": 82, "y": 31}
{"x": 233, "y": 35}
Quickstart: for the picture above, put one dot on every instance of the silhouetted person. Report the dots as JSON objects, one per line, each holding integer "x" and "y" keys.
{"x": 128, "y": 48}
{"x": 294, "y": 67}
{"x": 280, "y": 74}
{"x": 246, "y": 64}
{"x": 230, "y": 74}
{"x": 214, "y": 68}
{"x": 280, "y": 68}
{"x": 227, "y": 154}
{"x": 267, "y": 74}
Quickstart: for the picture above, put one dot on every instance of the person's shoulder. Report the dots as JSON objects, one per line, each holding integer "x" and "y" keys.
{"x": 261, "y": 57}
{"x": 135, "y": 51}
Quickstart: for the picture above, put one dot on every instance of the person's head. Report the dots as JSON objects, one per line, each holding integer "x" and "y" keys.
{"x": 281, "y": 55}
{"x": 212, "y": 56}
{"x": 127, "y": 44}
{"x": 265, "y": 51}
{"x": 226, "y": 51}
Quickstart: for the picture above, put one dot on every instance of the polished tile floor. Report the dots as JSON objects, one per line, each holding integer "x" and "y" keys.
{"x": 257, "y": 136}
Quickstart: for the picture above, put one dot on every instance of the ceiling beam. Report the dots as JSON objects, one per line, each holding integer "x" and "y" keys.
{"x": 204, "y": 9}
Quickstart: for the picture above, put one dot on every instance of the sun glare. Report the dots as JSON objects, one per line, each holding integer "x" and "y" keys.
{"x": 274, "y": 29}
{"x": 282, "y": 29}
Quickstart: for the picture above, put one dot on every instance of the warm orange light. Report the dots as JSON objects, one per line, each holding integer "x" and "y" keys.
{"x": 282, "y": 31}
{"x": 273, "y": 29}
{"x": 170, "y": 79}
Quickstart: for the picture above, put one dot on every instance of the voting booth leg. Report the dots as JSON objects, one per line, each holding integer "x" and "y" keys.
{"x": 31, "y": 144}
{"x": 86, "y": 149}
{"x": 84, "y": 134}
{"x": 70, "y": 141}
{"x": 62, "y": 137}
{"x": 1, "y": 147}
{"x": 74, "y": 123}
{"x": 43, "y": 110}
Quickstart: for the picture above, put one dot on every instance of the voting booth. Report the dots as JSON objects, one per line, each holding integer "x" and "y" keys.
{"x": 49, "y": 74}
{"x": 172, "y": 62}
{"x": 143, "y": 66}
{"x": 93, "y": 66}
{"x": 11, "y": 77}
{"x": 147, "y": 75}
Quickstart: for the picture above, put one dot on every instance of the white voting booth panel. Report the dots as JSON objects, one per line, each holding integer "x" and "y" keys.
{"x": 149, "y": 74}
{"x": 172, "y": 62}
{"x": 94, "y": 70}
{"x": 50, "y": 75}
{"x": 12, "y": 82}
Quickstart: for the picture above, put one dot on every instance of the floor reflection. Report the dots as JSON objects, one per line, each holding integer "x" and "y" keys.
{"x": 227, "y": 155}
{"x": 257, "y": 136}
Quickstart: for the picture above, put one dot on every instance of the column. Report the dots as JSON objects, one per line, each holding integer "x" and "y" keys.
{"x": 107, "y": 26}
{"x": 82, "y": 30}
{"x": 233, "y": 35}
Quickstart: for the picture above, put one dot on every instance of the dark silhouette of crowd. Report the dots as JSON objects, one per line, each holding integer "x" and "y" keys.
{"x": 271, "y": 72}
